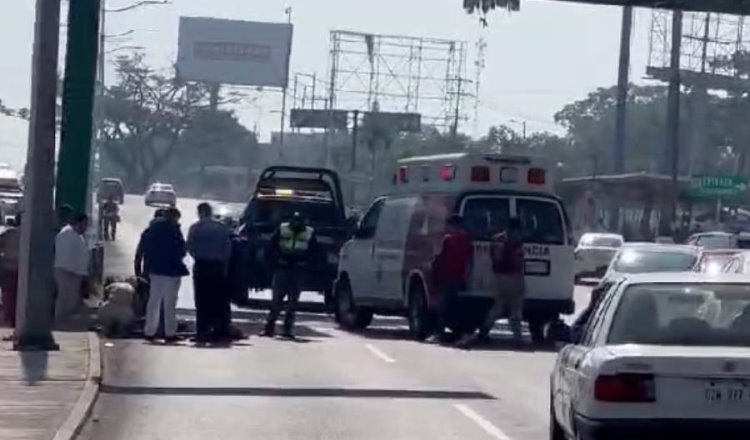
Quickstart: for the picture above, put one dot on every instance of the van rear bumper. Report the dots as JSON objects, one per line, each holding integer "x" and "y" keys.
{"x": 547, "y": 307}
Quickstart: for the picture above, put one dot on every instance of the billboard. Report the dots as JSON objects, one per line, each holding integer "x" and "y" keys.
{"x": 311, "y": 118}
{"x": 402, "y": 122}
{"x": 234, "y": 52}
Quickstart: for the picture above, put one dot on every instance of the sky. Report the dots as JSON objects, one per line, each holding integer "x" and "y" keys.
{"x": 537, "y": 60}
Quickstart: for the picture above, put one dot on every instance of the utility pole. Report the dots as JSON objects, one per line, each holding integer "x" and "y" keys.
{"x": 673, "y": 113}
{"x": 618, "y": 146}
{"x": 74, "y": 162}
{"x": 355, "y": 133}
{"x": 34, "y": 309}
{"x": 618, "y": 153}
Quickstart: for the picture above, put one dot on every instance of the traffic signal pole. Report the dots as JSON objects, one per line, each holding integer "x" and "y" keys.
{"x": 34, "y": 309}
{"x": 74, "y": 160}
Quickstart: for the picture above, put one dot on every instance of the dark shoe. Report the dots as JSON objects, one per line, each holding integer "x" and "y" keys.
{"x": 267, "y": 334}
{"x": 202, "y": 339}
{"x": 288, "y": 335}
{"x": 172, "y": 339}
{"x": 150, "y": 338}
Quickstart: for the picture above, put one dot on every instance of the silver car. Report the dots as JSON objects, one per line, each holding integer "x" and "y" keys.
{"x": 161, "y": 194}
{"x": 594, "y": 253}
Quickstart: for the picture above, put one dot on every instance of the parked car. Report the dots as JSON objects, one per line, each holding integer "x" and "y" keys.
{"x": 713, "y": 240}
{"x": 594, "y": 253}
{"x": 161, "y": 194}
{"x": 665, "y": 356}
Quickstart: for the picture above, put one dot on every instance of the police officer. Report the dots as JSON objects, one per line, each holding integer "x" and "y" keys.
{"x": 291, "y": 251}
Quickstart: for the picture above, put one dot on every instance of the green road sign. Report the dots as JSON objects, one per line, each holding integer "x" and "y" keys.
{"x": 717, "y": 186}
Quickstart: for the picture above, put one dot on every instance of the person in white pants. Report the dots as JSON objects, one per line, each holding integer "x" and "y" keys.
{"x": 71, "y": 267}
{"x": 163, "y": 247}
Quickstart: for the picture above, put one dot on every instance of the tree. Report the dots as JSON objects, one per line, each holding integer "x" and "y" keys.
{"x": 145, "y": 115}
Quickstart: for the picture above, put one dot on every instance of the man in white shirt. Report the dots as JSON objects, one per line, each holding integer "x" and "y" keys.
{"x": 71, "y": 267}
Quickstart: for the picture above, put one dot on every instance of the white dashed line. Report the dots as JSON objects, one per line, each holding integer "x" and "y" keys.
{"x": 483, "y": 423}
{"x": 379, "y": 353}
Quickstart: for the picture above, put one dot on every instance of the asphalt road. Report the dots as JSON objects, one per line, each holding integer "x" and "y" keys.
{"x": 328, "y": 385}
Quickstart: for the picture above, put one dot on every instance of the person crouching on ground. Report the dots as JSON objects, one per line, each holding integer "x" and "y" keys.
{"x": 210, "y": 244}
{"x": 117, "y": 314}
{"x": 71, "y": 267}
{"x": 163, "y": 249}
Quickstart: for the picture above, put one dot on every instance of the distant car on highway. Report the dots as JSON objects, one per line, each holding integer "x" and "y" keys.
{"x": 664, "y": 356}
{"x": 635, "y": 258}
{"x": 594, "y": 253}
{"x": 713, "y": 240}
{"x": 161, "y": 194}
{"x": 713, "y": 261}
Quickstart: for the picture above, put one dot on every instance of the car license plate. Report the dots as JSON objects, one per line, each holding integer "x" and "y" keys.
{"x": 727, "y": 393}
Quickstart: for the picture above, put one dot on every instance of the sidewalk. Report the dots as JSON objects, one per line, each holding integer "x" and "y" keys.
{"x": 46, "y": 395}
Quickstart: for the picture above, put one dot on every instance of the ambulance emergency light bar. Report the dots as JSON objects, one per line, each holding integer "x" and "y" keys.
{"x": 480, "y": 174}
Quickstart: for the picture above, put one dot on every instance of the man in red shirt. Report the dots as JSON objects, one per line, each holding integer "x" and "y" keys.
{"x": 451, "y": 269}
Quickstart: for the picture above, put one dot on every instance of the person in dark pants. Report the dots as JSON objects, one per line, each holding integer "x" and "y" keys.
{"x": 450, "y": 270}
{"x": 292, "y": 250}
{"x": 210, "y": 244}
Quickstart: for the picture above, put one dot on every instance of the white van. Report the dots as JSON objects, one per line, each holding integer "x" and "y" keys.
{"x": 386, "y": 267}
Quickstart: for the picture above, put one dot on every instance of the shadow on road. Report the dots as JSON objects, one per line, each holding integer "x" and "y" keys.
{"x": 298, "y": 392}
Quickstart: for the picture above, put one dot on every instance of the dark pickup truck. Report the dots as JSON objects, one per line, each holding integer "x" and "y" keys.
{"x": 280, "y": 192}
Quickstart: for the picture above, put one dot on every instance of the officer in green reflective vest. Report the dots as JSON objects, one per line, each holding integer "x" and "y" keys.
{"x": 291, "y": 251}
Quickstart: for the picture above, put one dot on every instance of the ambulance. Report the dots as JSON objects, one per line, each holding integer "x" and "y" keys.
{"x": 386, "y": 267}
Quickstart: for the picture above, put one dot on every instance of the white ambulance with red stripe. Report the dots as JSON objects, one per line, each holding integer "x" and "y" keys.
{"x": 386, "y": 267}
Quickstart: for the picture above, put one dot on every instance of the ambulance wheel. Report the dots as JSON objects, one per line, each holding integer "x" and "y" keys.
{"x": 420, "y": 321}
{"x": 349, "y": 316}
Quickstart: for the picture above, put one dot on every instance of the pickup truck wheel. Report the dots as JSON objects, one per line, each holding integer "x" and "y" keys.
{"x": 536, "y": 328}
{"x": 420, "y": 321}
{"x": 349, "y": 316}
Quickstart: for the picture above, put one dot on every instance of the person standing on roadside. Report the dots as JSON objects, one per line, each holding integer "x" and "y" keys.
{"x": 450, "y": 270}
{"x": 71, "y": 267}
{"x": 209, "y": 242}
{"x": 163, "y": 250}
{"x": 9, "y": 250}
{"x": 110, "y": 213}
{"x": 292, "y": 252}
{"x": 506, "y": 254}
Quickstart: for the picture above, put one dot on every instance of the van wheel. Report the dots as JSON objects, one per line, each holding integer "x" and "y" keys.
{"x": 420, "y": 320}
{"x": 349, "y": 316}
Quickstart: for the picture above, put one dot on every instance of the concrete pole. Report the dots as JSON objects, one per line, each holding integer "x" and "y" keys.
{"x": 34, "y": 309}
{"x": 673, "y": 118}
{"x": 78, "y": 104}
{"x": 618, "y": 150}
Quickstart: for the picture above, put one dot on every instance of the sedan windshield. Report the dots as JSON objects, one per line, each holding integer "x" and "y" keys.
{"x": 653, "y": 260}
{"x": 718, "y": 241}
{"x": 683, "y": 314}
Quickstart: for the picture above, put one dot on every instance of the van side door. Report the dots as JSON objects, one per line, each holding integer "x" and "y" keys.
{"x": 390, "y": 247}
{"x": 360, "y": 253}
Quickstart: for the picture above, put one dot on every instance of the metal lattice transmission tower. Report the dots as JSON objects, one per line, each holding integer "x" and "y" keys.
{"x": 389, "y": 73}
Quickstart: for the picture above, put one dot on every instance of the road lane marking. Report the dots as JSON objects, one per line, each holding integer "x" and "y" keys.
{"x": 379, "y": 353}
{"x": 483, "y": 423}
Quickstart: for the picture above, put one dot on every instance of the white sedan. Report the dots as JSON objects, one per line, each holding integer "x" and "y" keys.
{"x": 161, "y": 194}
{"x": 594, "y": 253}
{"x": 664, "y": 356}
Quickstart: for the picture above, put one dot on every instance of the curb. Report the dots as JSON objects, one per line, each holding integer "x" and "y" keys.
{"x": 85, "y": 403}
